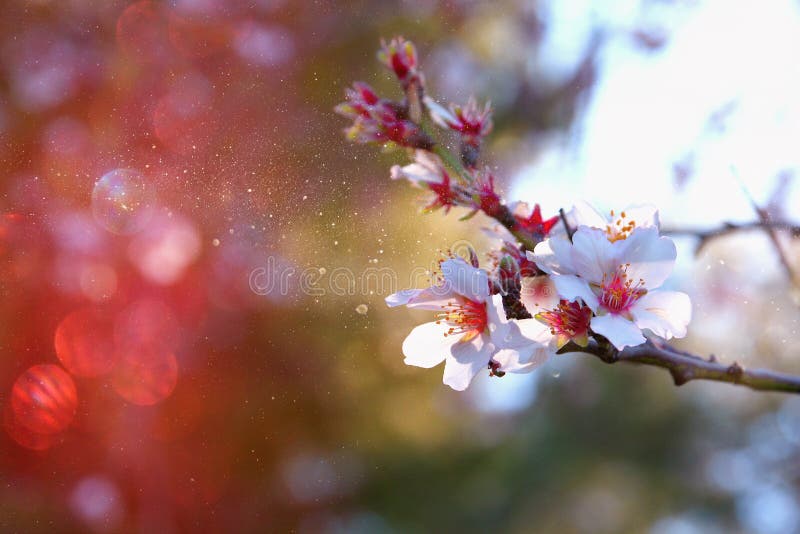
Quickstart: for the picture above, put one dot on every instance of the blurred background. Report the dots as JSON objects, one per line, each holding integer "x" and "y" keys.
{"x": 162, "y": 160}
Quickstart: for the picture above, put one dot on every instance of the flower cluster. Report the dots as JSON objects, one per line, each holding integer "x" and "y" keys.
{"x": 572, "y": 279}
{"x": 379, "y": 120}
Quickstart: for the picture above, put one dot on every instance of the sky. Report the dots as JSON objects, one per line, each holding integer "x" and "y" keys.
{"x": 650, "y": 110}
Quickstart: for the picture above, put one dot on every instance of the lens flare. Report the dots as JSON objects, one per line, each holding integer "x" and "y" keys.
{"x": 84, "y": 342}
{"x": 146, "y": 375}
{"x": 44, "y": 399}
{"x": 122, "y": 203}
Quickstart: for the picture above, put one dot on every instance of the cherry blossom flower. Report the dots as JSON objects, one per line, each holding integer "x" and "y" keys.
{"x": 616, "y": 225}
{"x": 618, "y": 280}
{"x": 471, "y": 331}
{"x": 566, "y": 321}
{"x": 470, "y": 121}
{"x": 427, "y": 171}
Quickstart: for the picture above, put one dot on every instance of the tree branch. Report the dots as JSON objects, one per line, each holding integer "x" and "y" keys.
{"x": 685, "y": 367}
{"x": 705, "y": 235}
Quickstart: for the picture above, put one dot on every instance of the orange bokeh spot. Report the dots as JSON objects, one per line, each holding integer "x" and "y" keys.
{"x": 44, "y": 399}
{"x": 84, "y": 342}
{"x": 145, "y": 375}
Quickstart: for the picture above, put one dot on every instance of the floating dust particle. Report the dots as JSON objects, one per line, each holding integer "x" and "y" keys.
{"x": 362, "y": 309}
{"x": 215, "y": 242}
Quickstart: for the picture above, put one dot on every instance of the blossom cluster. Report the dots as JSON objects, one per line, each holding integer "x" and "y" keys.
{"x": 552, "y": 283}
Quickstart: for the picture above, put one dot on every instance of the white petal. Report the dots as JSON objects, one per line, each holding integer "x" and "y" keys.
{"x": 465, "y": 279}
{"x": 538, "y": 293}
{"x": 643, "y": 214}
{"x": 584, "y": 214}
{"x": 522, "y": 360}
{"x": 517, "y": 333}
{"x": 432, "y": 298}
{"x": 592, "y": 254}
{"x": 572, "y": 288}
{"x": 402, "y": 297}
{"x": 619, "y": 331}
{"x": 498, "y": 324}
{"x": 466, "y": 360}
{"x": 439, "y": 114}
{"x": 427, "y": 168}
{"x": 651, "y": 257}
{"x": 665, "y": 313}
{"x": 534, "y": 331}
{"x": 426, "y": 345}
{"x": 553, "y": 255}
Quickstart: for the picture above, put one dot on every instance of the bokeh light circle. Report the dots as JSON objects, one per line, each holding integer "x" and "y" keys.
{"x": 84, "y": 342}
{"x": 142, "y": 32}
{"x": 147, "y": 322}
{"x": 122, "y": 202}
{"x": 24, "y": 436}
{"x": 44, "y": 399}
{"x": 146, "y": 375}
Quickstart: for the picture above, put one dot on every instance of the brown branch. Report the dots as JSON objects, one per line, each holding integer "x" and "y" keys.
{"x": 685, "y": 367}
{"x": 730, "y": 228}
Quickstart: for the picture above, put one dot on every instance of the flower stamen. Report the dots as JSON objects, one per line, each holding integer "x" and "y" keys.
{"x": 569, "y": 321}
{"x": 619, "y": 228}
{"x": 466, "y": 318}
{"x": 617, "y": 293}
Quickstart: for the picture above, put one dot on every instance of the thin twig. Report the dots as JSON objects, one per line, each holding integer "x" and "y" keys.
{"x": 567, "y": 227}
{"x": 705, "y": 235}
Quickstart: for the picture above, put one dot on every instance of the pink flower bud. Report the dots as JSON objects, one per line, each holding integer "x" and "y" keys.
{"x": 400, "y": 57}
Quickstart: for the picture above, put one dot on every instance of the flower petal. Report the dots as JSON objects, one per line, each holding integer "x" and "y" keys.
{"x": 430, "y": 298}
{"x": 619, "y": 331}
{"x": 426, "y": 346}
{"x": 465, "y": 279}
{"x": 427, "y": 168}
{"x": 553, "y": 255}
{"x": 466, "y": 360}
{"x": 522, "y": 360}
{"x": 572, "y": 288}
{"x": 584, "y": 214}
{"x": 402, "y": 297}
{"x": 592, "y": 254}
{"x": 643, "y": 215}
{"x": 498, "y": 324}
{"x": 665, "y": 313}
{"x": 651, "y": 257}
{"x": 439, "y": 114}
{"x": 538, "y": 293}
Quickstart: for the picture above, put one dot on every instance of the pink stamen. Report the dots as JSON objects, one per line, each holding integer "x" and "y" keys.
{"x": 618, "y": 293}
